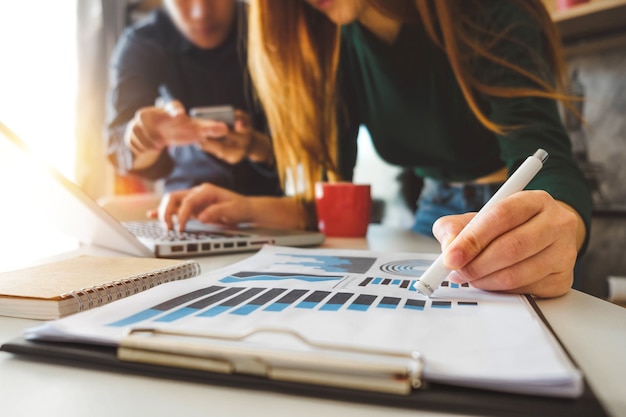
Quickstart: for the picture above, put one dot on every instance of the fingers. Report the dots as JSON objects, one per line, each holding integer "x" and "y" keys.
{"x": 499, "y": 219}
{"x": 144, "y": 131}
{"x": 203, "y": 202}
{"x": 169, "y": 207}
{"x": 511, "y": 247}
{"x": 548, "y": 273}
{"x": 230, "y": 212}
{"x": 194, "y": 201}
{"x": 206, "y": 202}
{"x": 525, "y": 244}
{"x": 175, "y": 108}
{"x": 140, "y": 135}
{"x": 212, "y": 129}
{"x": 445, "y": 229}
{"x": 231, "y": 147}
{"x": 140, "y": 141}
{"x": 243, "y": 121}
{"x": 181, "y": 130}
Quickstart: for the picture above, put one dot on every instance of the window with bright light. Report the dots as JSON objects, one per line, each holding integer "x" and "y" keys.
{"x": 38, "y": 72}
{"x": 38, "y": 85}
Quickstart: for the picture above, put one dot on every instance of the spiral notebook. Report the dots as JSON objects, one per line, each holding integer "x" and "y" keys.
{"x": 57, "y": 289}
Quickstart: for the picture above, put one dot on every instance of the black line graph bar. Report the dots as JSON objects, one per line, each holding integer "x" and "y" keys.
{"x": 166, "y": 306}
{"x": 362, "y": 302}
{"x": 286, "y": 300}
{"x": 415, "y": 304}
{"x": 366, "y": 281}
{"x": 389, "y": 302}
{"x": 441, "y": 304}
{"x": 199, "y": 305}
{"x": 313, "y": 300}
{"x": 258, "y": 302}
{"x": 336, "y": 301}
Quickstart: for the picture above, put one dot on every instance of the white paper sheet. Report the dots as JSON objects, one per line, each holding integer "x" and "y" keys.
{"x": 467, "y": 336}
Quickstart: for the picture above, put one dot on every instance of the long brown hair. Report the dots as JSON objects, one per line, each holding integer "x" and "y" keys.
{"x": 293, "y": 58}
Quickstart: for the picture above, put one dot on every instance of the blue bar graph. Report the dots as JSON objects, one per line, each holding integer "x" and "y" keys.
{"x": 258, "y": 302}
{"x": 231, "y": 302}
{"x": 313, "y": 300}
{"x": 199, "y": 305}
{"x": 165, "y": 306}
{"x": 415, "y": 304}
{"x": 441, "y": 304}
{"x": 336, "y": 301}
{"x": 362, "y": 302}
{"x": 216, "y": 300}
{"x": 389, "y": 302}
{"x": 402, "y": 283}
{"x": 285, "y": 301}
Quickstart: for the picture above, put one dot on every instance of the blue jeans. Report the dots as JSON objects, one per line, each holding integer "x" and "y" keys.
{"x": 439, "y": 199}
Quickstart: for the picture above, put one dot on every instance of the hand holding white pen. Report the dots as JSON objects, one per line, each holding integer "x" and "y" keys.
{"x": 436, "y": 273}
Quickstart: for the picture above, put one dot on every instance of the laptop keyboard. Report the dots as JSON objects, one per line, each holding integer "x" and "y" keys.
{"x": 155, "y": 231}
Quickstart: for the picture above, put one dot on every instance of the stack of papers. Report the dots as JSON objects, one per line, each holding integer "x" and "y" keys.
{"x": 303, "y": 303}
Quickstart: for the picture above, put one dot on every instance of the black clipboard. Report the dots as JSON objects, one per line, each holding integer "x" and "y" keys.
{"x": 433, "y": 397}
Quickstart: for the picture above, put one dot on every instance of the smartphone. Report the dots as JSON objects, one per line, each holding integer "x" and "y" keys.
{"x": 224, "y": 114}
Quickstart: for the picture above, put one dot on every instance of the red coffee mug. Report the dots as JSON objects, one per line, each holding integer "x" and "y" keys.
{"x": 566, "y": 4}
{"x": 343, "y": 208}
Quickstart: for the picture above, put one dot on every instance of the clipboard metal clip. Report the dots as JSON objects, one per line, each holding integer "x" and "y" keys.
{"x": 312, "y": 362}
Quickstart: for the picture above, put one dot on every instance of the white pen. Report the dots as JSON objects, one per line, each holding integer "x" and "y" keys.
{"x": 436, "y": 273}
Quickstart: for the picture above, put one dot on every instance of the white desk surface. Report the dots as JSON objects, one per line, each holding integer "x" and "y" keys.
{"x": 593, "y": 330}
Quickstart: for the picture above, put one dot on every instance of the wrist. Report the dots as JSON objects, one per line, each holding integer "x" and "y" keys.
{"x": 278, "y": 212}
{"x": 581, "y": 229}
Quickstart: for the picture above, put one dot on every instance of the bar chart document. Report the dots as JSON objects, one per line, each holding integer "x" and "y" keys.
{"x": 359, "y": 301}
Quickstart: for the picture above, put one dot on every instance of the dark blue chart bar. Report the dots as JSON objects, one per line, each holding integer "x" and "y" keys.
{"x": 286, "y": 300}
{"x": 231, "y": 302}
{"x": 199, "y": 305}
{"x": 366, "y": 281}
{"x": 336, "y": 301}
{"x": 258, "y": 302}
{"x": 441, "y": 304}
{"x": 415, "y": 304}
{"x": 165, "y": 306}
{"x": 389, "y": 302}
{"x": 362, "y": 302}
{"x": 313, "y": 300}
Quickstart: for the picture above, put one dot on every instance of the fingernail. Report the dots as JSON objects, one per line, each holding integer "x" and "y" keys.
{"x": 455, "y": 277}
{"x": 446, "y": 239}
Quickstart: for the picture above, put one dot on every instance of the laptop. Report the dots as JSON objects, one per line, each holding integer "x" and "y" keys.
{"x": 78, "y": 215}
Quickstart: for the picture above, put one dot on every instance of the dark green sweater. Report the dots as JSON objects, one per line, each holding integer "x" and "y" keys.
{"x": 409, "y": 100}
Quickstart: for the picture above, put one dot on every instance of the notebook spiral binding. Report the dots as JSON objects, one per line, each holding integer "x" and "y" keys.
{"x": 98, "y": 295}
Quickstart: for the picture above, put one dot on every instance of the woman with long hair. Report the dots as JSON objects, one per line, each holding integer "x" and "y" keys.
{"x": 460, "y": 91}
